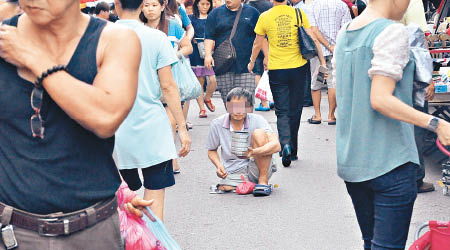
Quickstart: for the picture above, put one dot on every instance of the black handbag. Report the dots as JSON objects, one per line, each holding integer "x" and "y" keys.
{"x": 225, "y": 54}
{"x": 307, "y": 47}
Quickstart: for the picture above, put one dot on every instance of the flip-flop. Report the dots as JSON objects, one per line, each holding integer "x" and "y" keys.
{"x": 202, "y": 114}
{"x": 312, "y": 121}
{"x": 262, "y": 190}
{"x": 261, "y": 108}
{"x": 210, "y": 105}
{"x": 332, "y": 122}
{"x": 176, "y": 171}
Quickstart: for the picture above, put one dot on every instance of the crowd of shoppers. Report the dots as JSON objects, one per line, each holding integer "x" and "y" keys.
{"x": 107, "y": 109}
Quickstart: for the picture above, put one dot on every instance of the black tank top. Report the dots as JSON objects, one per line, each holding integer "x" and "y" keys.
{"x": 71, "y": 168}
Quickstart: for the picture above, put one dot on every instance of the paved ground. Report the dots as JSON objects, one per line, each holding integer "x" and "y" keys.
{"x": 309, "y": 211}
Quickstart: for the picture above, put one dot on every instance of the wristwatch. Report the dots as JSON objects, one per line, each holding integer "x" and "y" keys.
{"x": 433, "y": 124}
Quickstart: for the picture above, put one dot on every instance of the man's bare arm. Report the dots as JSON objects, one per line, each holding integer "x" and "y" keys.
{"x": 318, "y": 47}
{"x": 321, "y": 38}
{"x": 102, "y": 106}
{"x": 215, "y": 159}
{"x": 209, "y": 61}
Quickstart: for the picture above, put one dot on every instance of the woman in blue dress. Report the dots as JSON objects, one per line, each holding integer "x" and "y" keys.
{"x": 198, "y": 20}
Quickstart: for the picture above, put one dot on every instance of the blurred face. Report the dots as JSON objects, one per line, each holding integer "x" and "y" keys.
{"x": 233, "y": 4}
{"x": 203, "y": 7}
{"x": 43, "y": 12}
{"x": 238, "y": 108}
{"x": 152, "y": 9}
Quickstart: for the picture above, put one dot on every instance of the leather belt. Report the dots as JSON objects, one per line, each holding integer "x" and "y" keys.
{"x": 61, "y": 224}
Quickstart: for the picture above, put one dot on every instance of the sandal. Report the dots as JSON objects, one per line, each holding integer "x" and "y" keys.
{"x": 312, "y": 121}
{"x": 262, "y": 190}
{"x": 210, "y": 105}
{"x": 261, "y": 108}
{"x": 202, "y": 114}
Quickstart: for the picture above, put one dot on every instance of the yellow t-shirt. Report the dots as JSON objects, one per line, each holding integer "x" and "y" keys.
{"x": 279, "y": 25}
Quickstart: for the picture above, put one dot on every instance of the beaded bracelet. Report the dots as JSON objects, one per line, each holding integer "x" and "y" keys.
{"x": 50, "y": 71}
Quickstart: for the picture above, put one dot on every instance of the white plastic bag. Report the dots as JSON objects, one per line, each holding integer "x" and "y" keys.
{"x": 263, "y": 90}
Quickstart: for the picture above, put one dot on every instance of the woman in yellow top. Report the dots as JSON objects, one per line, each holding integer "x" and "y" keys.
{"x": 288, "y": 70}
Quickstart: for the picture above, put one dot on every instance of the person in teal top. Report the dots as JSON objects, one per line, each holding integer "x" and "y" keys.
{"x": 376, "y": 151}
{"x": 154, "y": 15}
{"x": 145, "y": 139}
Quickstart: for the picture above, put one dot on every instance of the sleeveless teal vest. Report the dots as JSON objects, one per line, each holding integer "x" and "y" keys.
{"x": 368, "y": 144}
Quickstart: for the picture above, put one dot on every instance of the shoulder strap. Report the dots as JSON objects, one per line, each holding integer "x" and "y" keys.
{"x": 299, "y": 13}
{"x": 236, "y": 21}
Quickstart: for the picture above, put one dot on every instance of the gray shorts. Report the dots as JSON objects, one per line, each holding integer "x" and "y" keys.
{"x": 315, "y": 64}
{"x": 251, "y": 173}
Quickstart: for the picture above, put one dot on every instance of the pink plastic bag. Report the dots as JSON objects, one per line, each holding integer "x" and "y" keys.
{"x": 246, "y": 187}
{"x": 134, "y": 230}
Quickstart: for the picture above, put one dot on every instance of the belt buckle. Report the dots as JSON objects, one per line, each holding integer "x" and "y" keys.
{"x": 41, "y": 226}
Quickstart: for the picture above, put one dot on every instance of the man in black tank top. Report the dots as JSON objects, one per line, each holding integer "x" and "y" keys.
{"x": 56, "y": 151}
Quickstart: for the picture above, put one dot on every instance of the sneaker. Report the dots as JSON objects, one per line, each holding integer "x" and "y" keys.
{"x": 426, "y": 187}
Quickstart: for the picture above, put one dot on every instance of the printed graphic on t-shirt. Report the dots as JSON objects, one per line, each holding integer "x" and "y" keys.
{"x": 284, "y": 30}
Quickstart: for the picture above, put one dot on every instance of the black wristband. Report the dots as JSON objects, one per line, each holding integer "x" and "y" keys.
{"x": 50, "y": 71}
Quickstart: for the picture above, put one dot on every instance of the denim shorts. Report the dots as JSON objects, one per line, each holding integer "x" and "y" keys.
{"x": 156, "y": 177}
{"x": 384, "y": 207}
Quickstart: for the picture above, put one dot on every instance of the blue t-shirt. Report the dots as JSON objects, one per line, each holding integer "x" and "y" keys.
{"x": 147, "y": 122}
{"x": 199, "y": 35}
{"x": 199, "y": 26}
{"x": 175, "y": 33}
{"x": 184, "y": 17}
{"x": 218, "y": 28}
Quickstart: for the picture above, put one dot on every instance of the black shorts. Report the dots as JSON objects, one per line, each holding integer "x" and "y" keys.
{"x": 155, "y": 177}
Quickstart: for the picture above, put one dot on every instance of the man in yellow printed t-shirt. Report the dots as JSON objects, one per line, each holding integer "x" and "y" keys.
{"x": 288, "y": 70}
{"x": 279, "y": 26}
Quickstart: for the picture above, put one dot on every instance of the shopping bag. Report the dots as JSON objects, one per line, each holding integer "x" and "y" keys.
{"x": 246, "y": 187}
{"x": 263, "y": 89}
{"x": 187, "y": 82}
{"x": 160, "y": 231}
{"x": 438, "y": 238}
{"x": 134, "y": 231}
